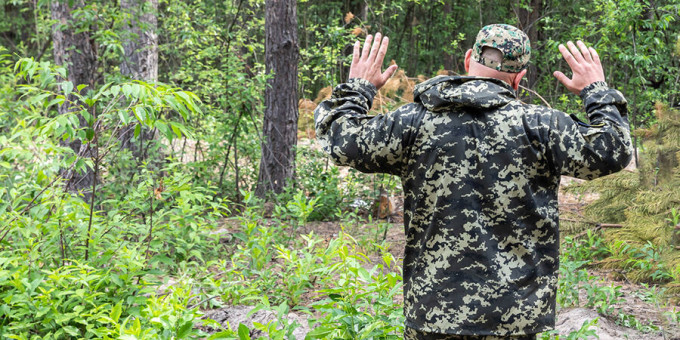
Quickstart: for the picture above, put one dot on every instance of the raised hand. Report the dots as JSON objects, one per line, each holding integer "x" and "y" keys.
{"x": 368, "y": 64}
{"x": 585, "y": 66}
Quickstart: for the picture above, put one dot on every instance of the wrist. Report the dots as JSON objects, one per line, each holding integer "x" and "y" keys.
{"x": 364, "y": 84}
{"x": 600, "y": 84}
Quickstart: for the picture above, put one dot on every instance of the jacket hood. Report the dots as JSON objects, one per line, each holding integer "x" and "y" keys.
{"x": 444, "y": 93}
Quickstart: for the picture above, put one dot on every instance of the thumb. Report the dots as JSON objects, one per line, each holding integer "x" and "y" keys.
{"x": 389, "y": 72}
{"x": 562, "y": 78}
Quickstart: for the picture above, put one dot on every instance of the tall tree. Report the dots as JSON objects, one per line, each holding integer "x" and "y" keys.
{"x": 277, "y": 165}
{"x": 449, "y": 60}
{"x": 140, "y": 60}
{"x": 528, "y": 13}
{"x": 141, "y": 42}
{"x": 74, "y": 49}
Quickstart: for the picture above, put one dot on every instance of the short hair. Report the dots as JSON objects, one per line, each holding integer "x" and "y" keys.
{"x": 490, "y": 53}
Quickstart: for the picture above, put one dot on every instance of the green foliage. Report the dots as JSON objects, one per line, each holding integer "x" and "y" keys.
{"x": 673, "y": 316}
{"x": 153, "y": 246}
{"x": 361, "y": 304}
{"x": 576, "y": 282}
{"x": 592, "y": 247}
{"x": 585, "y": 331}
{"x": 321, "y": 181}
{"x": 73, "y": 269}
{"x": 644, "y": 249}
{"x": 78, "y": 300}
{"x": 215, "y": 49}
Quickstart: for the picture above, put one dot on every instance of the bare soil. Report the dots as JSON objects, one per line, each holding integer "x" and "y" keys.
{"x": 234, "y": 315}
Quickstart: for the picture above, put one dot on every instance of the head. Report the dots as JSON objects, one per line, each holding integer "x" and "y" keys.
{"x": 501, "y": 52}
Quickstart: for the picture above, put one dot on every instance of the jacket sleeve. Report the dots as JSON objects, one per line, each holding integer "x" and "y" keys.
{"x": 350, "y": 137}
{"x": 597, "y": 149}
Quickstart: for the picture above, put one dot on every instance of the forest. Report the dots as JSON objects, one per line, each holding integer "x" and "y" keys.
{"x": 160, "y": 176}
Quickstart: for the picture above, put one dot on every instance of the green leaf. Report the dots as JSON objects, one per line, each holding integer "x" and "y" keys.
{"x": 115, "y": 90}
{"x": 124, "y": 117}
{"x": 58, "y": 101}
{"x": 116, "y": 311}
{"x": 29, "y": 67}
{"x": 89, "y": 134}
{"x": 67, "y": 87}
{"x": 116, "y": 279}
{"x": 176, "y": 130}
{"x": 172, "y": 102}
{"x": 162, "y": 259}
{"x": 138, "y": 130}
{"x": 61, "y": 71}
{"x": 185, "y": 330}
{"x": 187, "y": 99}
{"x": 87, "y": 116}
{"x": 140, "y": 113}
{"x": 320, "y": 332}
{"x": 81, "y": 87}
{"x": 243, "y": 332}
{"x": 163, "y": 128}
{"x": 71, "y": 330}
{"x": 222, "y": 335}
{"x": 363, "y": 273}
{"x": 126, "y": 90}
{"x": 136, "y": 89}
{"x": 102, "y": 91}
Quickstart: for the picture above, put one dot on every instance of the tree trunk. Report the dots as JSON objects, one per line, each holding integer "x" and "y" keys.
{"x": 74, "y": 50}
{"x": 277, "y": 166}
{"x": 141, "y": 44}
{"x": 448, "y": 57}
{"x": 358, "y": 8}
{"x": 528, "y": 22}
{"x": 140, "y": 61}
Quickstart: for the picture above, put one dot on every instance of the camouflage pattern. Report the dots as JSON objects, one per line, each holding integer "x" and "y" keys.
{"x": 412, "y": 334}
{"x": 511, "y": 41}
{"x": 480, "y": 172}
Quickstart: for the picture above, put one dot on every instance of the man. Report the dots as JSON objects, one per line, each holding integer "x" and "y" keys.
{"x": 480, "y": 172}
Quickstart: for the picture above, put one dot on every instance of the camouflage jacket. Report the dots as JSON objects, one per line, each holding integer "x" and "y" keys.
{"x": 480, "y": 172}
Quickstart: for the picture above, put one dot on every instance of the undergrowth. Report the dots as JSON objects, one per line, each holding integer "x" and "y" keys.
{"x": 646, "y": 246}
{"x": 155, "y": 248}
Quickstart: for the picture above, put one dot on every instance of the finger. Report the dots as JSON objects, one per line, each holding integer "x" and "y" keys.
{"x": 584, "y": 51}
{"x": 568, "y": 57}
{"x": 367, "y": 46}
{"x": 596, "y": 57}
{"x": 383, "y": 50}
{"x": 389, "y": 72}
{"x": 355, "y": 60}
{"x": 355, "y": 55}
{"x": 562, "y": 78}
{"x": 374, "y": 48}
{"x": 575, "y": 52}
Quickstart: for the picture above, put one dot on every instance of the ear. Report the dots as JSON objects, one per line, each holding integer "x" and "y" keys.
{"x": 468, "y": 57}
{"x": 518, "y": 78}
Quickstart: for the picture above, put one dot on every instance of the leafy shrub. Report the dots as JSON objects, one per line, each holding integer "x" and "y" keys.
{"x": 359, "y": 304}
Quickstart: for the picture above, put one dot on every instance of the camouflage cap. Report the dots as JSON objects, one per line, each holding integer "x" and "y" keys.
{"x": 511, "y": 41}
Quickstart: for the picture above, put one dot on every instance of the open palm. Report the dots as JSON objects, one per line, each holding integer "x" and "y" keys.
{"x": 368, "y": 64}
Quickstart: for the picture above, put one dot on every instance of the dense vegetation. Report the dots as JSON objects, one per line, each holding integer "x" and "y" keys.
{"x": 168, "y": 227}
